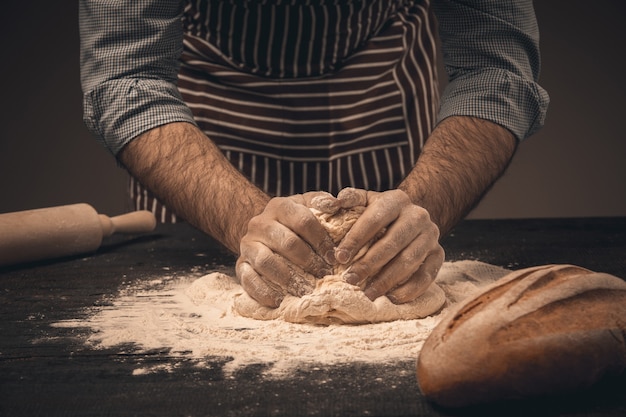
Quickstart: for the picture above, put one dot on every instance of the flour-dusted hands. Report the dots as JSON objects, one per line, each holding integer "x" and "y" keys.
{"x": 405, "y": 260}
{"x": 286, "y": 248}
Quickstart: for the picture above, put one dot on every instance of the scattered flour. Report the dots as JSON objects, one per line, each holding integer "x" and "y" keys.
{"x": 194, "y": 318}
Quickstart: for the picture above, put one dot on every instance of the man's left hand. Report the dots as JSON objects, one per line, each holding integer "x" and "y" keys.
{"x": 408, "y": 256}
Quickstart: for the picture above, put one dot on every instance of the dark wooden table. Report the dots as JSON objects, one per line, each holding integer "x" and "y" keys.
{"x": 49, "y": 371}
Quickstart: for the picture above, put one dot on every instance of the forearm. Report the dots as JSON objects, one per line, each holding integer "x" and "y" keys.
{"x": 460, "y": 161}
{"x": 188, "y": 173}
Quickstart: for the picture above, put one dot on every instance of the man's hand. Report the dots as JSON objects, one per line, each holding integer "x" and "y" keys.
{"x": 286, "y": 248}
{"x": 405, "y": 260}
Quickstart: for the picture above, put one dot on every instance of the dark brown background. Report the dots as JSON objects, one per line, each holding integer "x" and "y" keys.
{"x": 574, "y": 167}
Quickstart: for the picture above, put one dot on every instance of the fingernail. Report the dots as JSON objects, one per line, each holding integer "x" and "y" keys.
{"x": 351, "y": 278}
{"x": 342, "y": 256}
{"x": 329, "y": 257}
{"x": 371, "y": 294}
{"x": 277, "y": 301}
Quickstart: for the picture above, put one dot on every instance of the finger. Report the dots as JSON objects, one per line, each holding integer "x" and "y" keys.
{"x": 271, "y": 266}
{"x": 402, "y": 267}
{"x": 352, "y": 197}
{"x": 420, "y": 281}
{"x": 303, "y": 222}
{"x": 397, "y": 237}
{"x": 256, "y": 287}
{"x": 382, "y": 210}
{"x": 284, "y": 242}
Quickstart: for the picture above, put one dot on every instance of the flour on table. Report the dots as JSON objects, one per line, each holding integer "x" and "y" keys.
{"x": 194, "y": 318}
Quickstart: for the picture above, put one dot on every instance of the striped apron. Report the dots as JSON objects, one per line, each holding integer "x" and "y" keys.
{"x": 305, "y": 95}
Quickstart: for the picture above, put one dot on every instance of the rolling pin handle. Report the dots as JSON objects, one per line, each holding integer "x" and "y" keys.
{"x": 134, "y": 222}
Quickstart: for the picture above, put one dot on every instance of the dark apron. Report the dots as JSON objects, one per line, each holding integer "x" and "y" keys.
{"x": 310, "y": 95}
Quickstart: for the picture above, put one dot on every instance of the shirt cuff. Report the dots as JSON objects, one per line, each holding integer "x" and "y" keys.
{"x": 499, "y": 96}
{"x": 118, "y": 111}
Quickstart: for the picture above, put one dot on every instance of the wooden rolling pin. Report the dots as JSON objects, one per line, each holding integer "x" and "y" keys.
{"x": 46, "y": 233}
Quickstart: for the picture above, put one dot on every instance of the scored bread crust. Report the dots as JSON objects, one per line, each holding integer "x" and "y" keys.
{"x": 537, "y": 331}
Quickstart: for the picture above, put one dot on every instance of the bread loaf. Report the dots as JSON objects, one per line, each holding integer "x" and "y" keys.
{"x": 538, "y": 331}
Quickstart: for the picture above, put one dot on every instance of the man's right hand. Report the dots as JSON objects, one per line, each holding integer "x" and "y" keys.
{"x": 286, "y": 248}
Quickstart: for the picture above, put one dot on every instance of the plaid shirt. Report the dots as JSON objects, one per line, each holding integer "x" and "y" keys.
{"x": 130, "y": 59}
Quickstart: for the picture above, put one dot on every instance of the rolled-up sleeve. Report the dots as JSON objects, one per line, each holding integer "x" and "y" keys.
{"x": 129, "y": 64}
{"x": 491, "y": 55}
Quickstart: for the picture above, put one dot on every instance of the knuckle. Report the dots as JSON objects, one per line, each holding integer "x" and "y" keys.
{"x": 434, "y": 232}
{"x": 279, "y": 201}
{"x": 249, "y": 251}
{"x": 439, "y": 254}
{"x": 383, "y": 253}
{"x": 265, "y": 296}
{"x": 406, "y": 232}
{"x": 278, "y": 205}
{"x": 266, "y": 261}
{"x": 396, "y": 198}
{"x": 258, "y": 289}
{"x": 419, "y": 214}
{"x": 306, "y": 221}
{"x": 242, "y": 270}
{"x": 255, "y": 222}
{"x": 290, "y": 243}
{"x": 408, "y": 258}
{"x": 244, "y": 248}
